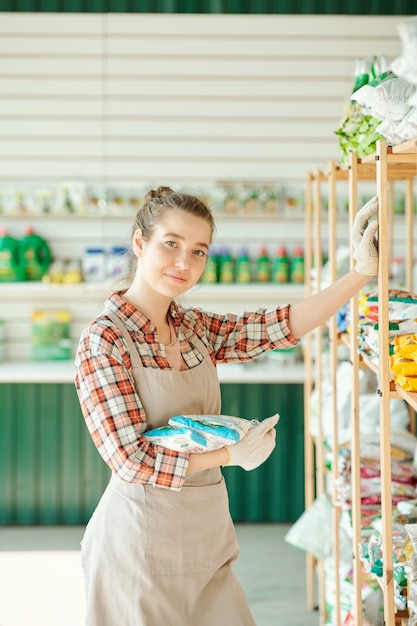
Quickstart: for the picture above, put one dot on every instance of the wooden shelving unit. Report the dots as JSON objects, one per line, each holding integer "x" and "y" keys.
{"x": 383, "y": 168}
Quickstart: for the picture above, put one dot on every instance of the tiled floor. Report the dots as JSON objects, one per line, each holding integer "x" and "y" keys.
{"x": 41, "y": 581}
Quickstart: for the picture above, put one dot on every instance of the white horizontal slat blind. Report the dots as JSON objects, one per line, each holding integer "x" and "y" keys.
{"x": 123, "y": 98}
{"x": 128, "y": 99}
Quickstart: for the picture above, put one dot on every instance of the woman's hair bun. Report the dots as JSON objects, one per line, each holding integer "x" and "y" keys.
{"x": 160, "y": 192}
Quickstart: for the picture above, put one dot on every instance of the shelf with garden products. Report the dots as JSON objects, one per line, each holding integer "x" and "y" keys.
{"x": 360, "y": 408}
{"x": 384, "y": 504}
{"x": 65, "y": 247}
{"x": 359, "y": 528}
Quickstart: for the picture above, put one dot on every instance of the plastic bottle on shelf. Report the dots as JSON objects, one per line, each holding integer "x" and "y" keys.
{"x": 281, "y": 266}
{"x": 118, "y": 262}
{"x": 211, "y": 271}
{"x": 9, "y": 257}
{"x": 263, "y": 266}
{"x": 243, "y": 271}
{"x": 72, "y": 273}
{"x": 35, "y": 255}
{"x": 226, "y": 266}
{"x": 297, "y": 265}
{"x": 56, "y": 272}
{"x": 94, "y": 265}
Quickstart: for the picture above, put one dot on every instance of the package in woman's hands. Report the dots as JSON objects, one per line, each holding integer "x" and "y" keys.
{"x": 203, "y": 433}
{"x": 178, "y": 439}
{"x": 219, "y": 430}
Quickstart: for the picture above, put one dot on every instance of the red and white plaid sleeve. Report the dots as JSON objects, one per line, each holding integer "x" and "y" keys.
{"x": 243, "y": 337}
{"x": 115, "y": 416}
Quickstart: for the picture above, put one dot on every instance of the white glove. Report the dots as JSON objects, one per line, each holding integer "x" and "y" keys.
{"x": 364, "y": 239}
{"x": 361, "y": 221}
{"x": 367, "y": 252}
{"x": 256, "y": 445}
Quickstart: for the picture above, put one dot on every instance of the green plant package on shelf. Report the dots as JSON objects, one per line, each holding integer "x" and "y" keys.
{"x": 357, "y": 128}
{"x": 357, "y": 133}
{"x": 382, "y": 106}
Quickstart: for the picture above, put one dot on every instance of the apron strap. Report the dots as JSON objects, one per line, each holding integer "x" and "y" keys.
{"x": 133, "y": 351}
{"x": 197, "y": 343}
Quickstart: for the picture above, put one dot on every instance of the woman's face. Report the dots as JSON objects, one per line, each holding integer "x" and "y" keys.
{"x": 173, "y": 259}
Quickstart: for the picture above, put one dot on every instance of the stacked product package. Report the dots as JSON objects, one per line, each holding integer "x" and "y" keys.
{"x": 384, "y": 99}
{"x": 402, "y": 319}
{"x": 403, "y": 365}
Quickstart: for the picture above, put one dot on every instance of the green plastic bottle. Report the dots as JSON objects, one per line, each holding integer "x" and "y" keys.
{"x": 211, "y": 271}
{"x": 281, "y": 266}
{"x": 226, "y": 266}
{"x": 243, "y": 269}
{"x": 9, "y": 257}
{"x": 263, "y": 266}
{"x": 297, "y": 265}
{"x": 35, "y": 255}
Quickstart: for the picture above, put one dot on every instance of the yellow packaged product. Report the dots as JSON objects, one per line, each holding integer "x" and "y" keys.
{"x": 51, "y": 335}
{"x": 405, "y": 344}
{"x": 408, "y": 383}
{"x": 399, "y": 365}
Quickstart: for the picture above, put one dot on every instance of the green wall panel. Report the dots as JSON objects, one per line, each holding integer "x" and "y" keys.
{"x": 306, "y": 7}
{"x": 51, "y": 472}
{"x": 275, "y": 491}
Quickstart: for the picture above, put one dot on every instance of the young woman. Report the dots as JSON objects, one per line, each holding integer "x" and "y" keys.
{"x": 159, "y": 547}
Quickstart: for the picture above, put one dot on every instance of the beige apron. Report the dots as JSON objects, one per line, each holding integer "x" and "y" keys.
{"x": 156, "y": 557}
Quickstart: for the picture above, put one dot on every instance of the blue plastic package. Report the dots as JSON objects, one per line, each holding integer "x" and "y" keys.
{"x": 179, "y": 439}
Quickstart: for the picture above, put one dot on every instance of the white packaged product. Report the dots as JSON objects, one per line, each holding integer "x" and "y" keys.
{"x": 386, "y": 98}
{"x": 94, "y": 265}
{"x": 203, "y": 433}
{"x": 118, "y": 262}
{"x": 221, "y": 430}
{"x": 178, "y": 439}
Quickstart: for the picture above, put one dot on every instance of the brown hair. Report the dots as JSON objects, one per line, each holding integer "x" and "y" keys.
{"x": 155, "y": 205}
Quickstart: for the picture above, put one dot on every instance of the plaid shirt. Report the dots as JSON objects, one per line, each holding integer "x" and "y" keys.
{"x": 109, "y": 402}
